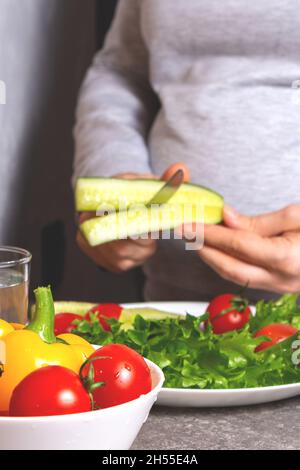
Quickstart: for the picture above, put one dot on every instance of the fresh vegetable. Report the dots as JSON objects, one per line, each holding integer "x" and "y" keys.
{"x": 5, "y": 328}
{"x": 276, "y": 333}
{"x": 125, "y": 316}
{"x": 195, "y": 358}
{"x": 64, "y": 322}
{"x": 116, "y": 374}
{"x": 105, "y": 311}
{"x": 107, "y": 193}
{"x": 128, "y": 315}
{"x": 17, "y": 326}
{"x": 36, "y": 346}
{"x": 83, "y": 311}
{"x": 52, "y": 390}
{"x": 283, "y": 310}
{"x": 137, "y": 221}
{"x": 77, "y": 308}
{"x": 125, "y": 202}
{"x": 74, "y": 340}
{"x": 228, "y": 312}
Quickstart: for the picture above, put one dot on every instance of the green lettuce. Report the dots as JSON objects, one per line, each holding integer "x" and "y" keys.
{"x": 194, "y": 357}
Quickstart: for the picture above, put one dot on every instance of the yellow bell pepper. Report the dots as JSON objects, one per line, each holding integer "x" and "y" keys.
{"x": 5, "y": 328}
{"x": 17, "y": 326}
{"x": 79, "y": 345}
{"x": 36, "y": 346}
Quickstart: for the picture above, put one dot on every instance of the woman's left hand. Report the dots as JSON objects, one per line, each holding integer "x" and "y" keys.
{"x": 261, "y": 251}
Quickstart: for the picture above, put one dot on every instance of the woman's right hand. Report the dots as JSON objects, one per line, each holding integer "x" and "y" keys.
{"x": 122, "y": 255}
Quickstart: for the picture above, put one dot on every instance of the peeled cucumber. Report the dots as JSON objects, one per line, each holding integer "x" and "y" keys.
{"x": 127, "y": 315}
{"x": 139, "y": 221}
{"x": 92, "y": 194}
{"x": 66, "y": 306}
{"x": 125, "y": 201}
{"x": 79, "y": 308}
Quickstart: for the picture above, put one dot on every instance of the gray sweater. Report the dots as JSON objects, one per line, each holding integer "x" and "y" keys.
{"x": 205, "y": 82}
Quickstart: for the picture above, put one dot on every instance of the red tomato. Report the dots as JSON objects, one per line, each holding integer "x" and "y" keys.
{"x": 64, "y": 323}
{"x": 277, "y": 332}
{"x": 105, "y": 311}
{"x": 51, "y": 390}
{"x": 228, "y": 312}
{"x": 123, "y": 374}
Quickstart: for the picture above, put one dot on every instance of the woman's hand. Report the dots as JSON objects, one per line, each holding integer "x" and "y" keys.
{"x": 122, "y": 255}
{"x": 261, "y": 251}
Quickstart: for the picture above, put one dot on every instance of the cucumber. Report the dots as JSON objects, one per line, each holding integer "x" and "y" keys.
{"x": 79, "y": 308}
{"x": 65, "y": 306}
{"x": 139, "y": 221}
{"x": 125, "y": 201}
{"x": 128, "y": 315}
{"x": 92, "y": 194}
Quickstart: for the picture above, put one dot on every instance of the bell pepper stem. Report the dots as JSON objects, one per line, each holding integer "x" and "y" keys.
{"x": 43, "y": 322}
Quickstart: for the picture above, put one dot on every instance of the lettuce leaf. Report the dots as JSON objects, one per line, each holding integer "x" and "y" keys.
{"x": 283, "y": 310}
{"x": 192, "y": 357}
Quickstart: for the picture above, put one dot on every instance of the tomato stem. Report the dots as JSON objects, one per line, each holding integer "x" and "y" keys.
{"x": 88, "y": 381}
{"x": 237, "y": 303}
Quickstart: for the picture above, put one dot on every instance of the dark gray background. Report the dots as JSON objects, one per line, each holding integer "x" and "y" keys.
{"x": 45, "y": 49}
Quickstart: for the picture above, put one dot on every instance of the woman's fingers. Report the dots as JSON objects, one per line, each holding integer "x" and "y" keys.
{"x": 86, "y": 216}
{"x": 120, "y": 255}
{"x": 247, "y": 246}
{"x": 175, "y": 167}
{"x": 237, "y": 271}
{"x": 98, "y": 256}
{"x": 134, "y": 176}
{"x": 267, "y": 225}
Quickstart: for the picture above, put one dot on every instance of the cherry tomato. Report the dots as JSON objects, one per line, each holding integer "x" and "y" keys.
{"x": 228, "y": 312}
{"x": 105, "y": 311}
{"x": 51, "y": 390}
{"x": 123, "y": 375}
{"x": 277, "y": 332}
{"x": 64, "y": 323}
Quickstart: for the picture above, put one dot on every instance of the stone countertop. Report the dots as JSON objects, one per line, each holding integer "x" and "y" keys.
{"x": 264, "y": 427}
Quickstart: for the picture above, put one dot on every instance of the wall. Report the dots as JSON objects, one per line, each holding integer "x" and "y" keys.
{"x": 45, "y": 48}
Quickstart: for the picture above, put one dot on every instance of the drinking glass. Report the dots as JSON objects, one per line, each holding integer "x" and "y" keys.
{"x": 14, "y": 283}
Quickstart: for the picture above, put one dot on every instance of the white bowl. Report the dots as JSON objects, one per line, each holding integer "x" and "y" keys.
{"x": 113, "y": 428}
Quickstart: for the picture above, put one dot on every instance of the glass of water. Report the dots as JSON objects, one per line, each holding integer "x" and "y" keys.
{"x": 14, "y": 283}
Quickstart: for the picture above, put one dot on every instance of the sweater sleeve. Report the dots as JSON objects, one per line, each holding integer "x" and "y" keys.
{"x": 116, "y": 104}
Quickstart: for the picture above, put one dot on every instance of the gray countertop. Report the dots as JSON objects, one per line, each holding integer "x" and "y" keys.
{"x": 270, "y": 426}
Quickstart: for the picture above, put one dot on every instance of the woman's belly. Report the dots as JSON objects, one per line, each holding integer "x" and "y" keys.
{"x": 243, "y": 142}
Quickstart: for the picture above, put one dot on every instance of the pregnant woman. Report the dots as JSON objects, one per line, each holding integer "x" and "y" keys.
{"x": 213, "y": 85}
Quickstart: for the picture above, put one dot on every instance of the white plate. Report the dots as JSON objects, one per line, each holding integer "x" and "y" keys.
{"x": 214, "y": 398}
